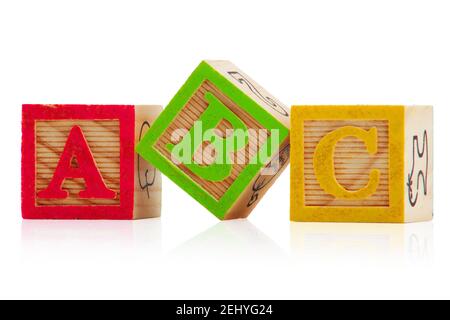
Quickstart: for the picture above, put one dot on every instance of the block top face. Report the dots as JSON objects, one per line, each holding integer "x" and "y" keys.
{"x": 78, "y": 141}
{"x": 189, "y": 141}
{"x": 347, "y": 163}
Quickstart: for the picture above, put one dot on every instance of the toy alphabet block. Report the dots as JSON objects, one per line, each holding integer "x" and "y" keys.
{"x": 78, "y": 162}
{"x": 222, "y": 138}
{"x": 362, "y": 164}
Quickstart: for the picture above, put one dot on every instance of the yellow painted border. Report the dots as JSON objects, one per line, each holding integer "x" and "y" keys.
{"x": 396, "y": 117}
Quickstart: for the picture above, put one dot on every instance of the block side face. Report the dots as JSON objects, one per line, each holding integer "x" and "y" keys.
{"x": 345, "y": 162}
{"x": 199, "y": 116}
{"x": 418, "y": 171}
{"x": 147, "y": 182}
{"x": 70, "y": 145}
{"x": 259, "y": 186}
{"x": 253, "y": 90}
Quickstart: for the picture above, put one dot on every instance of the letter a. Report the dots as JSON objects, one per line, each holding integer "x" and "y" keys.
{"x": 77, "y": 148}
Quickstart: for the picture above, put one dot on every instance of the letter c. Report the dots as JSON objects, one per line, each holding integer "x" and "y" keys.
{"x": 324, "y": 163}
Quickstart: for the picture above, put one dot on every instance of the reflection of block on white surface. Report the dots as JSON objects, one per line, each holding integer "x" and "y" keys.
{"x": 228, "y": 241}
{"x": 413, "y": 242}
{"x": 419, "y": 241}
{"x": 47, "y": 240}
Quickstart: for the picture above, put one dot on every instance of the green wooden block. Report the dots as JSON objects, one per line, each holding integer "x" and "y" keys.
{"x": 222, "y": 138}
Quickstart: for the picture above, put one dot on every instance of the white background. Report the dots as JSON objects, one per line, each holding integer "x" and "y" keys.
{"x": 304, "y": 52}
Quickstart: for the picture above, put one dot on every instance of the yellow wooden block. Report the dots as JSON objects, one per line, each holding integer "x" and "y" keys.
{"x": 362, "y": 163}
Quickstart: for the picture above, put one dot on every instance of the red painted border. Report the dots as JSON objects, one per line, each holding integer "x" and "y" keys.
{"x": 126, "y": 116}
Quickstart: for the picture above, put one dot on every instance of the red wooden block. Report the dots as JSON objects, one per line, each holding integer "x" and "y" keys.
{"x": 78, "y": 162}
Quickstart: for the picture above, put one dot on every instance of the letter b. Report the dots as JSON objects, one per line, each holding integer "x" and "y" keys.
{"x": 203, "y": 131}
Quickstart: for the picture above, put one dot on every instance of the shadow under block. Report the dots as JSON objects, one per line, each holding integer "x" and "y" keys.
{"x": 362, "y": 163}
{"x": 78, "y": 162}
{"x": 222, "y": 138}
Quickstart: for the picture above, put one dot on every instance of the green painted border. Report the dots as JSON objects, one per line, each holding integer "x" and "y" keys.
{"x": 145, "y": 148}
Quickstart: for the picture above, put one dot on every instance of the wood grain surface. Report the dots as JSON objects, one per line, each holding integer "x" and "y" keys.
{"x": 352, "y": 162}
{"x": 104, "y": 142}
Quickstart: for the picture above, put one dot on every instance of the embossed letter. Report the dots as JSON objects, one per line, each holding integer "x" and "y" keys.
{"x": 324, "y": 163}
